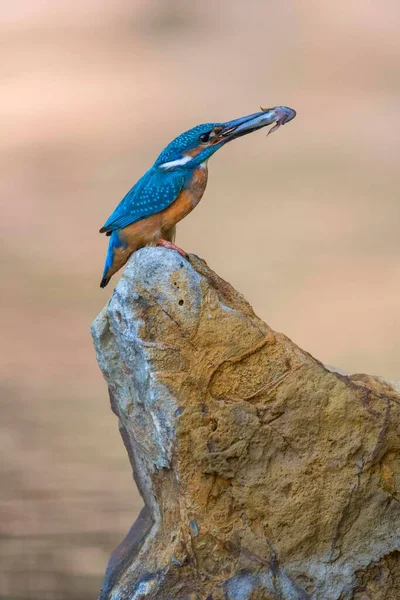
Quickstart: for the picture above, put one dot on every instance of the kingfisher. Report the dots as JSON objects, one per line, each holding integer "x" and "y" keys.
{"x": 173, "y": 186}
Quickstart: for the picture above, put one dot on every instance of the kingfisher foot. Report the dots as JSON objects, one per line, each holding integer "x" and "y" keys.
{"x": 171, "y": 246}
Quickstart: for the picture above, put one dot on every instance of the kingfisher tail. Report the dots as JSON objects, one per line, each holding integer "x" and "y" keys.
{"x": 109, "y": 271}
{"x": 104, "y": 282}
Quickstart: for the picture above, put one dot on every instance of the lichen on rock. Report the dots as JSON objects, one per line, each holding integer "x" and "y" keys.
{"x": 264, "y": 474}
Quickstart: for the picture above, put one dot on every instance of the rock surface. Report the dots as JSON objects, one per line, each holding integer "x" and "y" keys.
{"x": 264, "y": 474}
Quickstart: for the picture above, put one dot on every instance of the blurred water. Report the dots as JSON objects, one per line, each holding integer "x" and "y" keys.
{"x": 304, "y": 223}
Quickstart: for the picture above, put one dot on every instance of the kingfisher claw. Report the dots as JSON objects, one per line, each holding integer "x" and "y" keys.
{"x": 171, "y": 246}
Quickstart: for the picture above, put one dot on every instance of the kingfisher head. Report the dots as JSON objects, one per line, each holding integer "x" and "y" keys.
{"x": 194, "y": 147}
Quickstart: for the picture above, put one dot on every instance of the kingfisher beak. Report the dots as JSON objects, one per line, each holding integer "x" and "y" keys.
{"x": 234, "y": 129}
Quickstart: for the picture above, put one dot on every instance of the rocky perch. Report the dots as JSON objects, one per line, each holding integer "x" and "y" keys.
{"x": 264, "y": 474}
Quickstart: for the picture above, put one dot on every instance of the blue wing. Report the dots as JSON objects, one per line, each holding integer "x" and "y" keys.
{"x": 151, "y": 194}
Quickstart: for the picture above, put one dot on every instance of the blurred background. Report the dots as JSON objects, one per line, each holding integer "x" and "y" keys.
{"x": 304, "y": 223}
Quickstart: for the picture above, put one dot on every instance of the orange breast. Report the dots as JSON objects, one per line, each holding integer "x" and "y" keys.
{"x": 187, "y": 200}
{"x": 161, "y": 225}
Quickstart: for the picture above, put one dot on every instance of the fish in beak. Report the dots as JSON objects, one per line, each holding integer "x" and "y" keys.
{"x": 280, "y": 115}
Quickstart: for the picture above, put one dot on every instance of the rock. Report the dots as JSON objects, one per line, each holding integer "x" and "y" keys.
{"x": 264, "y": 474}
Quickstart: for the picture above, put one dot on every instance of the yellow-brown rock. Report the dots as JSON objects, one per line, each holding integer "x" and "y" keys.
{"x": 264, "y": 475}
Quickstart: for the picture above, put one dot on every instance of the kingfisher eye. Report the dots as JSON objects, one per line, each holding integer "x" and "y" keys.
{"x": 205, "y": 137}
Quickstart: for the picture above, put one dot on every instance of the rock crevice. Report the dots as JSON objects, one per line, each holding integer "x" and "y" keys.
{"x": 264, "y": 474}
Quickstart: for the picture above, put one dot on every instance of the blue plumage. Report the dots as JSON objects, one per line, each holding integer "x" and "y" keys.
{"x": 179, "y": 175}
{"x": 185, "y": 142}
{"x": 151, "y": 194}
{"x": 115, "y": 242}
{"x": 159, "y": 187}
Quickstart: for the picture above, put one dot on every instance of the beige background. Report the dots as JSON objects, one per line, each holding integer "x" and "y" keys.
{"x": 304, "y": 223}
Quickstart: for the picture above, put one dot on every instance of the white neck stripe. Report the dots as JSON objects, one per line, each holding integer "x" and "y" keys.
{"x": 176, "y": 163}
